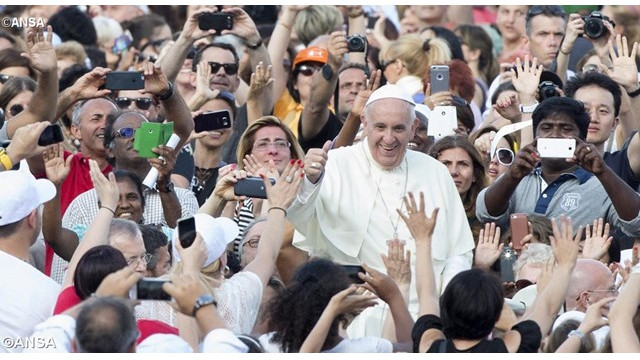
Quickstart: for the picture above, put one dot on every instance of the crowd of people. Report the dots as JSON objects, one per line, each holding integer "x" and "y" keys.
{"x": 384, "y": 213}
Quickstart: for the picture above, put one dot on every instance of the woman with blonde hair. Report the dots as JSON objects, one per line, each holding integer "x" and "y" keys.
{"x": 404, "y": 61}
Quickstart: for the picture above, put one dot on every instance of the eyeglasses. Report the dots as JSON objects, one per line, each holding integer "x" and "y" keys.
{"x": 125, "y": 133}
{"x": 253, "y": 243}
{"x": 15, "y": 109}
{"x": 611, "y": 292}
{"x": 553, "y": 10}
{"x": 505, "y": 156}
{"x": 4, "y": 78}
{"x": 230, "y": 69}
{"x": 144, "y": 258}
{"x": 307, "y": 70}
{"x": 263, "y": 145}
{"x": 141, "y": 103}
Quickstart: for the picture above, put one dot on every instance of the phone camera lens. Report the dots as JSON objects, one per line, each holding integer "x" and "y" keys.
{"x": 439, "y": 77}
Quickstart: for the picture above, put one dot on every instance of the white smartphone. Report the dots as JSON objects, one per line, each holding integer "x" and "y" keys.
{"x": 556, "y": 148}
{"x": 442, "y": 121}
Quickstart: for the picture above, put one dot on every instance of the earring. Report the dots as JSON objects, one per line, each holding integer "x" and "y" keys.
{"x": 225, "y": 271}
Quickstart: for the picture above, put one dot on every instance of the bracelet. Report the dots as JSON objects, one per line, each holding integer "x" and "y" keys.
{"x": 566, "y": 53}
{"x": 278, "y": 208}
{"x": 634, "y": 93}
{"x": 577, "y": 333}
{"x": 356, "y": 15}
{"x": 104, "y": 207}
{"x": 167, "y": 94}
{"x": 256, "y": 46}
{"x": 5, "y": 160}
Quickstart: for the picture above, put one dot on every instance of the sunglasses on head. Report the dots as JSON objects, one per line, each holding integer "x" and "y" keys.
{"x": 553, "y": 10}
{"x": 505, "y": 156}
{"x": 230, "y": 69}
{"x": 141, "y": 103}
{"x": 15, "y": 109}
{"x": 4, "y": 78}
{"x": 307, "y": 70}
{"x": 125, "y": 133}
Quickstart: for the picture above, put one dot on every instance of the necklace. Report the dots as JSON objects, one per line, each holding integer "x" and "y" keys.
{"x": 404, "y": 192}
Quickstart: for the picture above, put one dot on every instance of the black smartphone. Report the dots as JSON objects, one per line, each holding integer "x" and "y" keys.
{"x": 52, "y": 134}
{"x": 125, "y": 80}
{"x": 353, "y": 271}
{"x": 439, "y": 78}
{"x": 507, "y": 260}
{"x": 217, "y": 21}
{"x": 187, "y": 231}
{"x": 151, "y": 289}
{"x": 251, "y": 187}
{"x": 212, "y": 120}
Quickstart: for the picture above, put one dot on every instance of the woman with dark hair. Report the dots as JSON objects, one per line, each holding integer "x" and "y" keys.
{"x": 467, "y": 170}
{"x": 15, "y": 95}
{"x": 12, "y": 64}
{"x": 464, "y": 316}
{"x": 504, "y": 153}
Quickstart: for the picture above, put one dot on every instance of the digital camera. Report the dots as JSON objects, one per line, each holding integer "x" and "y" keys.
{"x": 594, "y": 25}
{"x": 356, "y": 43}
{"x": 547, "y": 89}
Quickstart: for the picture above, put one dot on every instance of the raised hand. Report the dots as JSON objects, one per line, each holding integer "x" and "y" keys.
{"x": 368, "y": 87}
{"x": 489, "y": 247}
{"x": 380, "y": 284}
{"x": 508, "y": 106}
{"x": 526, "y": 79}
{"x": 420, "y": 226}
{"x": 24, "y": 143}
{"x": 155, "y": 81}
{"x": 224, "y": 186}
{"x": 593, "y": 319}
{"x": 40, "y": 51}
{"x": 164, "y": 166}
{"x": 87, "y": 86}
{"x": 286, "y": 188}
{"x": 194, "y": 256}
{"x": 56, "y": 167}
{"x": 203, "y": 73}
{"x": 118, "y": 283}
{"x": 588, "y": 157}
{"x": 260, "y": 80}
{"x": 349, "y": 301}
{"x": 337, "y": 49}
{"x": 565, "y": 245}
{"x": 253, "y": 166}
{"x": 625, "y": 70}
{"x": 107, "y": 189}
{"x": 397, "y": 262}
{"x": 525, "y": 161}
{"x": 315, "y": 161}
{"x": 575, "y": 28}
{"x": 596, "y": 243}
{"x": 191, "y": 31}
{"x": 243, "y": 26}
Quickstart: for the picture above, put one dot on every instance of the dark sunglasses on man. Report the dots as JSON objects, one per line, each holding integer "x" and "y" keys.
{"x": 141, "y": 103}
{"x": 307, "y": 70}
{"x": 230, "y": 69}
{"x": 16, "y": 109}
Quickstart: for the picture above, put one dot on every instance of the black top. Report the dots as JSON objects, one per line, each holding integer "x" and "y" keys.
{"x": 328, "y": 132}
{"x": 184, "y": 163}
{"x": 530, "y": 338}
{"x": 204, "y": 181}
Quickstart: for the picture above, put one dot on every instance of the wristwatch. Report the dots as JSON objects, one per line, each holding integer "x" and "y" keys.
{"x": 529, "y": 108}
{"x": 169, "y": 187}
{"x": 327, "y": 72}
{"x": 202, "y": 301}
{"x": 167, "y": 94}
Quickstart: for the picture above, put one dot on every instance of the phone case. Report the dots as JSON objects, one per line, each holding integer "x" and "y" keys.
{"x": 212, "y": 120}
{"x": 251, "y": 187}
{"x": 151, "y": 289}
{"x": 216, "y": 21}
{"x": 507, "y": 259}
{"x": 556, "y": 148}
{"x": 52, "y": 134}
{"x": 519, "y": 229}
{"x": 439, "y": 78}
{"x": 442, "y": 121}
{"x": 125, "y": 80}
{"x": 150, "y": 135}
{"x": 186, "y": 231}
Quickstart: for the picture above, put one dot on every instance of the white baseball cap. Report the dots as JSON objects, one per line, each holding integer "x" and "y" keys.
{"x": 390, "y": 91}
{"x": 217, "y": 233}
{"x": 21, "y": 193}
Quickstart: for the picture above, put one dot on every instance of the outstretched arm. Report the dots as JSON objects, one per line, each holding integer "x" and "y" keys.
{"x": 623, "y": 332}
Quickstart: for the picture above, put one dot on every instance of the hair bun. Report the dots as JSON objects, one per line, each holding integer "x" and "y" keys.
{"x": 426, "y": 46}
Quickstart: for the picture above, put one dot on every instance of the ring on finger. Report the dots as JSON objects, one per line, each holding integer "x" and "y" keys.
{"x": 315, "y": 165}
{"x": 588, "y": 149}
{"x": 164, "y": 162}
{"x": 288, "y": 179}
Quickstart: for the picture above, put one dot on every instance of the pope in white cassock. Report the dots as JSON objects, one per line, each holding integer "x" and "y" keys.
{"x": 346, "y": 210}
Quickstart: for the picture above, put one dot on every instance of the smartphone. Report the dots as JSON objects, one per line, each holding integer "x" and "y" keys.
{"x": 52, "y": 134}
{"x": 442, "y": 121}
{"x": 507, "y": 259}
{"x": 519, "y": 229}
{"x": 187, "y": 231}
{"x": 125, "y": 80}
{"x": 148, "y": 136}
{"x": 150, "y": 289}
{"x": 122, "y": 42}
{"x": 217, "y": 21}
{"x": 252, "y": 187}
{"x": 556, "y": 148}
{"x": 439, "y": 78}
{"x": 212, "y": 120}
{"x": 353, "y": 271}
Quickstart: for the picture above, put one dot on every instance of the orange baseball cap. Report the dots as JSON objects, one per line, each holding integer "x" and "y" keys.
{"x": 312, "y": 53}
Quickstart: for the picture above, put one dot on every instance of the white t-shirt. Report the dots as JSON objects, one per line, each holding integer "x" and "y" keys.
{"x": 27, "y": 298}
{"x": 368, "y": 344}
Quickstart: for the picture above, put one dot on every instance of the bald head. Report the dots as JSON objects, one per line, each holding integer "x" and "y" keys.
{"x": 588, "y": 275}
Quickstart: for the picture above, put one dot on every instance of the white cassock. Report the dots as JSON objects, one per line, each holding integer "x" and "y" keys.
{"x": 350, "y": 214}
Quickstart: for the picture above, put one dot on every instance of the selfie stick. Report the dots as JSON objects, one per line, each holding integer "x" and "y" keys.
{"x": 152, "y": 176}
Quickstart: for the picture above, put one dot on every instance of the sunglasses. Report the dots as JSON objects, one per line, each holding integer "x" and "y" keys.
{"x": 4, "y": 78}
{"x": 230, "y": 69}
{"x": 15, "y": 109}
{"x": 125, "y": 133}
{"x": 505, "y": 156}
{"x": 141, "y": 103}
{"x": 307, "y": 70}
{"x": 553, "y": 10}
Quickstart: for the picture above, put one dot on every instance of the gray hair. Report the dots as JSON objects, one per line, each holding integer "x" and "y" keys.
{"x": 126, "y": 228}
{"x": 410, "y": 109}
{"x": 106, "y": 324}
{"x": 246, "y": 231}
{"x": 534, "y": 254}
